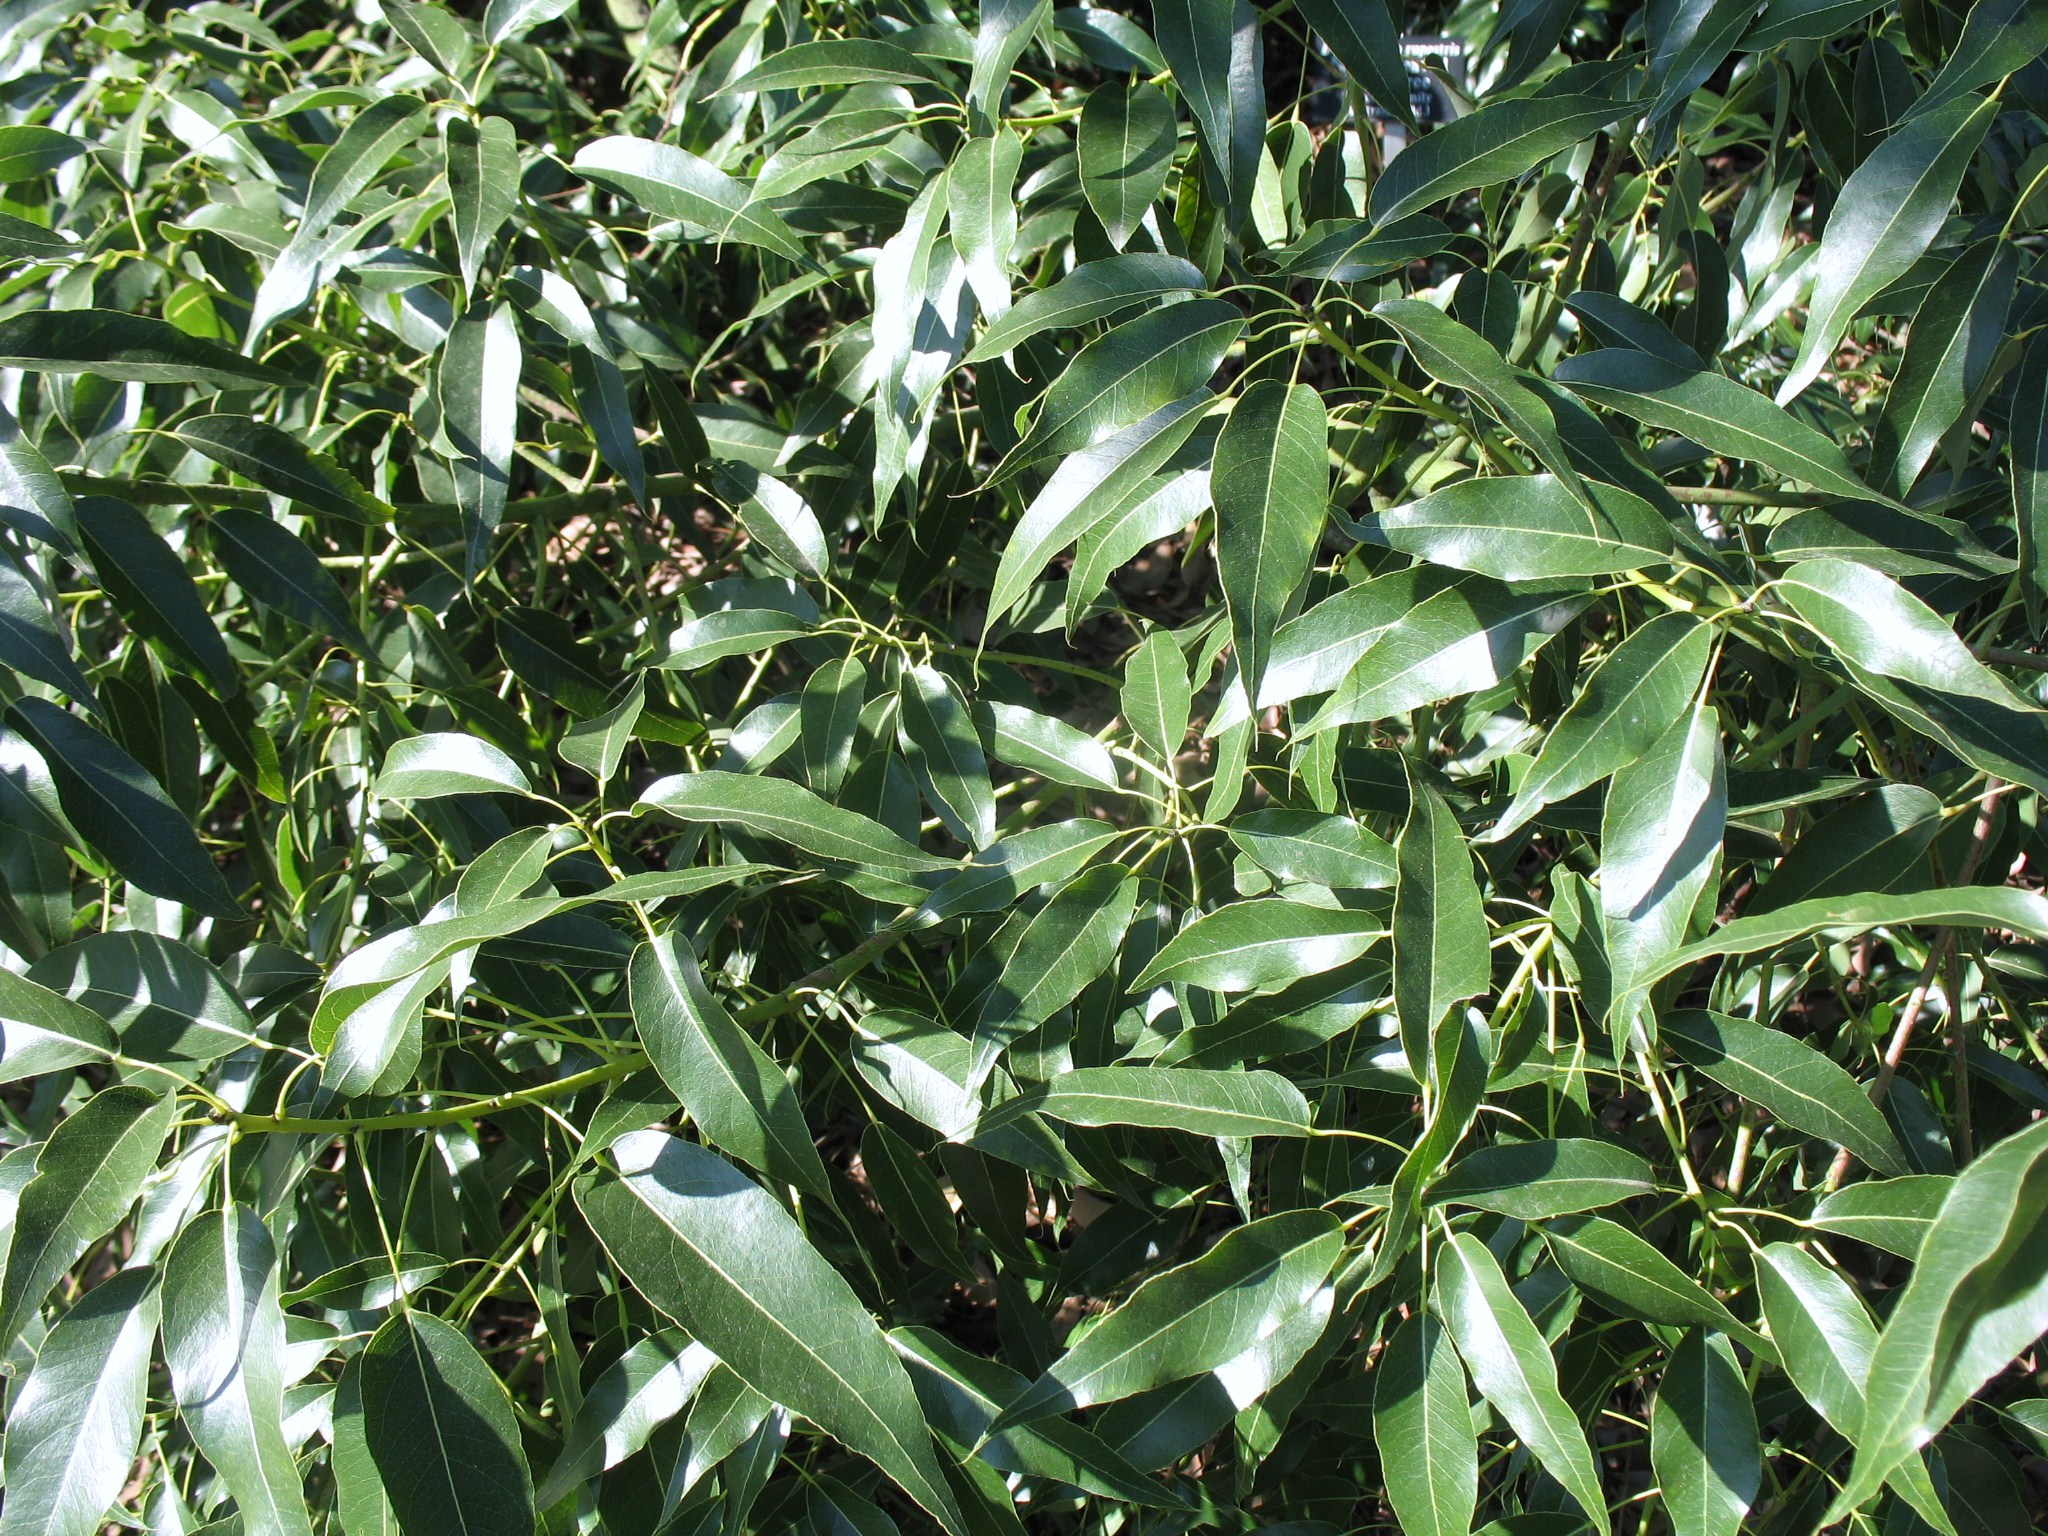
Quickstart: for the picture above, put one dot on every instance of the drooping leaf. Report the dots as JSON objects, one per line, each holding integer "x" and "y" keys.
{"x": 1191, "y": 1320}
{"x": 709, "y": 1248}
{"x": 440, "y": 1428}
{"x": 1513, "y": 1367}
{"x": 731, "y": 1087}
{"x": 224, "y": 1340}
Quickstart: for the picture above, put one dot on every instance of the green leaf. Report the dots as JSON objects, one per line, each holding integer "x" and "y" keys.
{"x": 962, "y": 1393}
{"x": 1130, "y": 373}
{"x": 1788, "y": 1077}
{"x": 506, "y": 20}
{"x": 1352, "y": 251}
{"x": 600, "y": 390}
{"x": 775, "y": 517}
{"x": 1660, "y": 844}
{"x": 1877, "y": 842}
{"x": 982, "y": 204}
{"x": 1528, "y": 528}
{"x": 31, "y": 643}
{"x": 1193, "y": 1319}
{"x": 1628, "y": 702}
{"x": 447, "y": 763}
{"x": 43, "y": 1031}
{"x": 1892, "y": 1214}
{"x": 1252, "y": 944}
{"x": 441, "y": 1431}
{"x": 1459, "y": 356}
{"x": 672, "y": 183}
{"x": 483, "y": 186}
{"x": 275, "y": 567}
{"x": 1202, "y": 1103}
{"x": 1964, "y": 906}
{"x": 1630, "y": 1278}
{"x": 1822, "y": 1331}
{"x": 369, "y": 1285}
{"x": 32, "y": 499}
{"x": 1008, "y": 868}
{"x": 1978, "y": 1295}
{"x": 1538, "y": 1179}
{"x": 944, "y": 753}
{"x": 1156, "y": 697}
{"x": 1362, "y": 35}
{"x": 1089, "y": 292}
{"x": 1212, "y": 46}
{"x": 2000, "y": 38}
{"x": 1041, "y": 744}
{"x": 1455, "y": 642}
{"x": 1321, "y": 849}
{"x": 709, "y": 1248}
{"x": 648, "y": 1385}
{"x": 129, "y": 348}
{"x": 478, "y": 382}
{"x": 1888, "y": 213}
{"x": 152, "y": 588}
{"x": 28, "y": 151}
{"x": 731, "y": 1087}
{"x": 224, "y": 1340}
{"x": 1513, "y": 1367}
{"x": 1703, "y": 1438}
{"x": 910, "y": 1197}
{"x": 164, "y": 1002}
{"x": 122, "y": 811}
{"x": 281, "y": 464}
{"x": 1078, "y": 495}
{"x": 1067, "y": 943}
{"x": 1899, "y": 651}
{"x": 834, "y": 61}
{"x": 1271, "y": 488}
{"x": 1422, "y": 1423}
{"x": 788, "y": 813}
{"x": 1500, "y": 141}
{"x": 1441, "y": 957}
{"x": 358, "y": 158}
{"x": 1714, "y": 411}
{"x": 1957, "y": 332}
{"x": 74, "y": 1425}
{"x": 1126, "y": 146}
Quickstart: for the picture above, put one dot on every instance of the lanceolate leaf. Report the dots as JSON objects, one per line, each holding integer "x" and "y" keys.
{"x": 1422, "y": 1424}
{"x": 1889, "y": 212}
{"x": 1499, "y": 142}
{"x": 1977, "y": 1295}
{"x": 280, "y": 463}
{"x": 708, "y": 1247}
{"x": 1126, "y": 147}
{"x": 441, "y": 1431}
{"x": 122, "y": 811}
{"x": 1193, "y": 1319}
{"x": 1440, "y": 950}
{"x": 74, "y": 1425}
{"x": 1087, "y": 293}
{"x": 1712, "y": 410}
{"x": 224, "y": 1339}
{"x": 1786, "y": 1076}
{"x": 730, "y": 1086}
{"x": 483, "y": 185}
{"x": 1270, "y": 486}
{"x": 479, "y": 379}
{"x": 1703, "y": 1438}
{"x": 1512, "y": 1366}
{"x": 672, "y": 183}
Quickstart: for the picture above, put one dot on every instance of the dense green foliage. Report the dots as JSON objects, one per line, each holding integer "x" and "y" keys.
{"x": 860, "y": 769}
